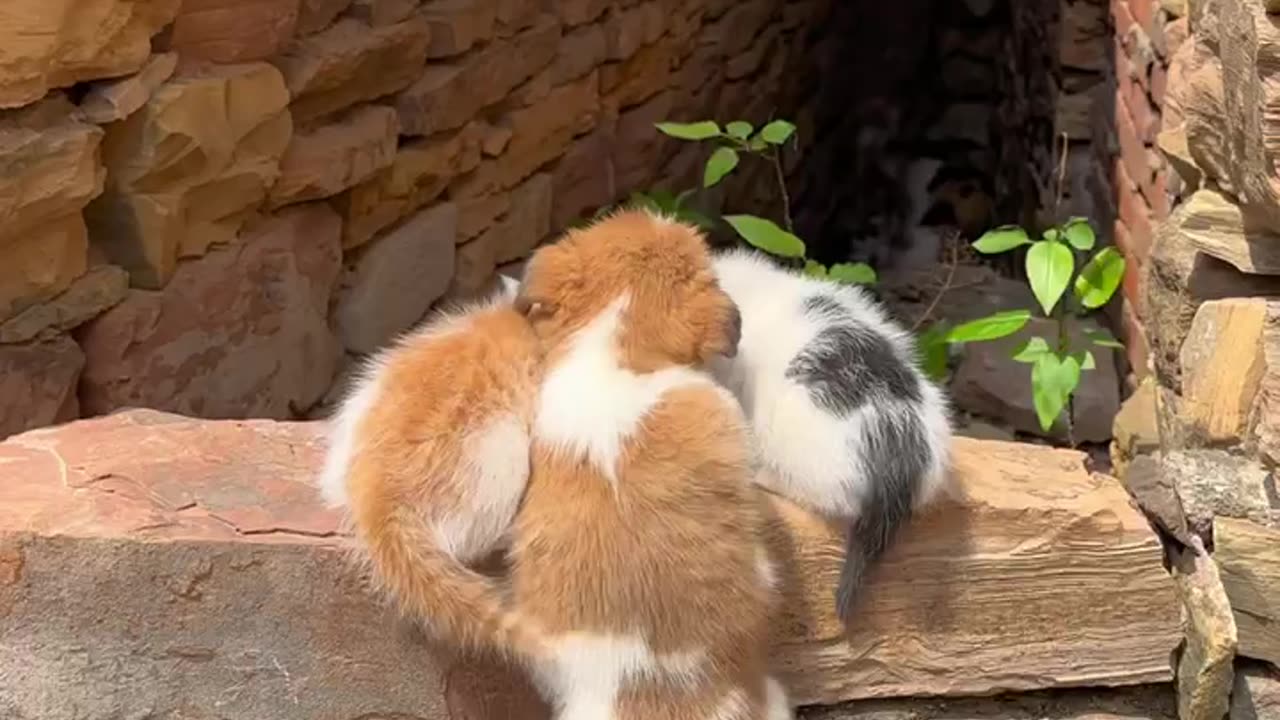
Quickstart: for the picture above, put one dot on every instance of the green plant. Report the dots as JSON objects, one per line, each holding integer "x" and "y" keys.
{"x": 740, "y": 138}
{"x": 1051, "y": 266}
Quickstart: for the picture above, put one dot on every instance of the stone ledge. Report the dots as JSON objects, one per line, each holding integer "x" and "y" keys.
{"x": 152, "y": 563}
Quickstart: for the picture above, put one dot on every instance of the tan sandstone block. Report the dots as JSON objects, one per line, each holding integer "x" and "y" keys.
{"x": 447, "y": 96}
{"x": 527, "y": 221}
{"x": 48, "y": 166}
{"x": 643, "y": 75}
{"x": 419, "y": 173}
{"x": 1217, "y": 227}
{"x": 316, "y": 15}
{"x": 117, "y": 99}
{"x": 581, "y": 51}
{"x": 350, "y": 63}
{"x": 1205, "y": 670}
{"x": 324, "y": 161}
{"x": 42, "y": 263}
{"x": 230, "y": 31}
{"x": 101, "y": 287}
{"x": 46, "y": 44}
{"x": 458, "y": 25}
{"x": 1249, "y": 558}
{"x": 186, "y": 168}
{"x": 1222, "y": 367}
{"x": 626, "y": 31}
{"x": 221, "y": 517}
{"x": 38, "y": 385}
{"x": 216, "y": 341}
{"x": 581, "y": 179}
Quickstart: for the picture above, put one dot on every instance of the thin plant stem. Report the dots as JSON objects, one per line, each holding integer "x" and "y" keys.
{"x": 953, "y": 241}
{"x": 1064, "y": 342}
{"x": 776, "y": 157}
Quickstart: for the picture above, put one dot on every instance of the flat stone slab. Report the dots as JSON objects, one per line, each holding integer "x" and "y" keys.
{"x": 158, "y": 566}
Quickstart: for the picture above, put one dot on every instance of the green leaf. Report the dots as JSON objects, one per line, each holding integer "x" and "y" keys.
{"x": 1051, "y": 235}
{"x": 756, "y": 144}
{"x": 1053, "y": 379}
{"x": 1001, "y": 239}
{"x": 684, "y": 196}
{"x": 1100, "y": 277}
{"x": 1031, "y": 350}
{"x": 721, "y": 163}
{"x": 766, "y": 235}
{"x": 812, "y": 268}
{"x": 990, "y": 328}
{"x": 1049, "y": 266}
{"x": 1079, "y": 234}
{"x": 739, "y": 129}
{"x": 704, "y": 130}
{"x": 931, "y": 348}
{"x": 693, "y": 216}
{"x": 1103, "y": 339}
{"x": 1084, "y": 359}
{"x": 777, "y": 132}
{"x": 852, "y": 273}
{"x": 643, "y": 201}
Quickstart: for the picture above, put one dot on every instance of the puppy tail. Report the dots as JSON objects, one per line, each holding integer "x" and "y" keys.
{"x": 459, "y": 605}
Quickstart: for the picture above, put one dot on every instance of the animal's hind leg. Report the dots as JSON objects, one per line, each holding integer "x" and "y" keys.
{"x": 777, "y": 706}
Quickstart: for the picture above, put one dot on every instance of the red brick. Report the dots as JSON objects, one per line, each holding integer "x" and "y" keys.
{"x": 1131, "y": 287}
{"x": 1159, "y": 82}
{"x": 1156, "y": 192}
{"x": 1133, "y": 152}
{"x": 1121, "y": 18}
{"x": 1134, "y": 212}
{"x": 1134, "y": 335}
{"x": 1144, "y": 12}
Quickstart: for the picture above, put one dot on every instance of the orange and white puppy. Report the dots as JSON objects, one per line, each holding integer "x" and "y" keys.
{"x": 638, "y": 546}
{"x": 429, "y": 456}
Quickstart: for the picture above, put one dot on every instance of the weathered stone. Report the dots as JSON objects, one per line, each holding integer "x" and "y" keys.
{"x": 989, "y": 382}
{"x": 643, "y": 75}
{"x": 580, "y": 52}
{"x": 48, "y": 166}
{"x": 968, "y": 122}
{"x": 964, "y": 75}
{"x": 38, "y": 385}
{"x": 1156, "y": 495}
{"x": 626, "y": 31}
{"x": 477, "y": 214}
{"x": 117, "y": 99}
{"x": 380, "y": 13}
{"x": 1256, "y": 695}
{"x": 391, "y": 282}
{"x": 1146, "y": 702}
{"x": 1214, "y": 483}
{"x": 1177, "y": 280}
{"x": 1248, "y": 556}
{"x": 527, "y": 221}
{"x": 495, "y": 140}
{"x": 46, "y": 45}
{"x": 516, "y": 15}
{"x": 419, "y": 173}
{"x": 1217, "y": 227}
{"x": 42, "y": 263}
{"x": 222, "y": 516}
{"x": 637, "y": 144}
{"x": 316, "y": 15}
{"x": 331, "y": 158}
{"x": 1222, "y": 367}
{"x": 350, "y": 63}
{"x": 229, "y": 126}
{"x": 1135, "y": 430}
{"x": 240, "y": 332}
{"x": 1081, "y": 41}
{"x": 229, "y": 31}
{"x": 979, "y": 430}
{"x": 1266, "y": 422}
{"x": 89, "y": 295}
{"x": 581, "y": 180}
{"x": 579, "y": 12}
{"x": 475, "y": 265}
{"x": 448, "y": 96}
{"x": 1205, "y": 671}
{"x": 738, "y": 28}
{"x": 458, "y": 25}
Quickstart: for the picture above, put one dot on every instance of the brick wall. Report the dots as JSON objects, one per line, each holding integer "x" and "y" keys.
{"x": 214, "y": 206}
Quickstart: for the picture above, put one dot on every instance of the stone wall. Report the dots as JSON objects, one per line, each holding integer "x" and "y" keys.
{"x": 1199, "y": 207}
{"x": 212, "y": 206}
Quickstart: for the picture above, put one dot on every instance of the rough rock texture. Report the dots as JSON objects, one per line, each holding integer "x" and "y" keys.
{"x": 102, "y": 540}
{"x": 391, "y": 282}
{"x": 229, "y": 126}
{"x": 1223, "y": 363}
{"x": 48, "y": 167}
{"x": 329, "y": 159}
{"x": 1217, "y": 227}
{"x": 42, "y": 263}
{"x": 1135, "y": 430}
{"x": 114, "y": 100}
{"x": 1217, "y": 483}
{"x": 989, "y": 382}
{"x": 240, "y": 332}
{"x": 101, "y": 287}
{"x": 1256, "y": 695}
{"x": 1266, "y": 427}
{"x": 1248, "y": 555}
{"x": 1151, "y": 702}
{"x": 1205, "y": 670}
{"x": 229, "y": 31}
{"x": 1156, "y": 493}
{"x": 53, "y": 44}
{"x": 350, "y": 63}
{"x": 38, "y": 385}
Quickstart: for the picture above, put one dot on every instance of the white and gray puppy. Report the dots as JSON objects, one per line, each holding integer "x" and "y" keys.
{"x": 848, "y": 426}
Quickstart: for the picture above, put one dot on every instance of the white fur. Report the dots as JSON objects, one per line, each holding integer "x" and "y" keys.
{"x": 588, "y": 670}
{"x": 589, "y": 405}
{"x": 815, "y": 458}
{"x": 766, "y": 569}
{"x": 493, "y": 475}
{"x": 777, "y": 706}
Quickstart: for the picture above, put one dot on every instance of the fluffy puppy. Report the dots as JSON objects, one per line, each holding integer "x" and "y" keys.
{"x": 847, "y": 424}
{"x": 429, "y": 457}
{"x": 638, "y": 547}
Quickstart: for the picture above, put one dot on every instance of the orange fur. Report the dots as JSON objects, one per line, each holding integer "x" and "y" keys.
{"x": 658, "y": 543}
{"x": 411, "y": 472}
